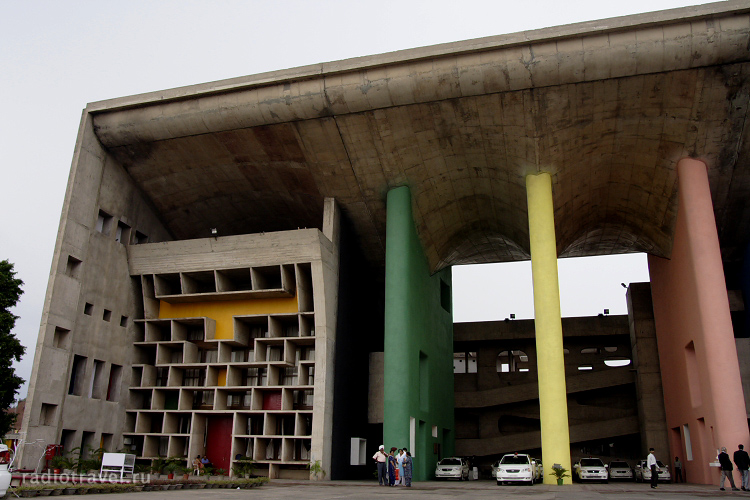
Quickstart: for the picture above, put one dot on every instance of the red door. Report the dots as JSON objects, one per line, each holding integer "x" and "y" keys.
{"x": 219, "y": 441}
{"x": 272, "y": 400}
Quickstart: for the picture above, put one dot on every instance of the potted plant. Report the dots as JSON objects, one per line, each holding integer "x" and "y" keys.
{"x": 316, "y": 469}
{"x": 58, "y": 463}
{"x": 157, "y": 467}
{"x": 185, "y": 471}
{"x": 171, "y": 466}
{"x": 559, "y": 472}
{"x": 243, "y": 468}
{"x": 220, "y": 473}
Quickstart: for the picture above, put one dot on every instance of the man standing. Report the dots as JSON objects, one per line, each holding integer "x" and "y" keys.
{"x": 380, "y": 458}
{"x": 678, "y": 470}
{"x": 651, "y": 463}
{"x": 726, "y": 469}
{"x": 742, "y": 461}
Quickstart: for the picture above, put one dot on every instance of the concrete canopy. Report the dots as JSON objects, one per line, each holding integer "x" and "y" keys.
{"x": 607, "y": 107}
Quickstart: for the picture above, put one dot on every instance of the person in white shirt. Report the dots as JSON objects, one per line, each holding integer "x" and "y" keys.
{"x": 400, "y": 459}
{"x": 651, "y": 463}
{"x": 380, "y": 457}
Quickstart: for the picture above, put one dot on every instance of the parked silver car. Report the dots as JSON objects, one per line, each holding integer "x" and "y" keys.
{"x": 643, "y": 473}
{"x": 452, "y": 468}
{"x": 619, "y": 469}
{"x": 590, "y": 469}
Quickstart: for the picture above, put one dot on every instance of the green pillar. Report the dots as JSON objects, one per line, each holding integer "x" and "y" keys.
{"x": 418, "y": 354}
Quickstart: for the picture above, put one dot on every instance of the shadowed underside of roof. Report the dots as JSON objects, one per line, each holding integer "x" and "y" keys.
{"x": 607, "y": 108}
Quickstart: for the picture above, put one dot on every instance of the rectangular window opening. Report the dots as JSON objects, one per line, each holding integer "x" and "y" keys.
{"x": 73, "y": 267}
{"x": 113, "y": 387}
{"x": 122, "y": 233}
{"x": 688, "y": 442}
{"x": 424, "y": 382}
{"x": 140, "y": 238}
{"x": 445, "y": 296}
{"x": 104, "y": 222}
{"x": 88, "y": 309}
{"x": 106, "y": 442}
{"x": 107, "y": 315}
{"x": 413, "y": 435}
{"x": 95, "y": 390}
{"x": 47, "y": 414}
{"x": 123, "y": 321}
{"x": 693, "y": 378}
{"x": 60, "y": 338}
{"x": 77, "y": 373}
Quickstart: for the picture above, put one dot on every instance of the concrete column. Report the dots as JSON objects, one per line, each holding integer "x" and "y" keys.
{"x": 553, "y": 401}
{"x": 418, "y": 351}
{"x": 697, "y": 352}
{"x": 651, "y": 416}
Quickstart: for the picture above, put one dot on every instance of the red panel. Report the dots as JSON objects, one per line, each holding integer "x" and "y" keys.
{"x": 272, "y": 400}
{"x": 52, "y": 450}
{"x": 219, "y": 442}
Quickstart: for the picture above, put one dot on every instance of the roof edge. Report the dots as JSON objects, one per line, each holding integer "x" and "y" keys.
{"x": 449, "y": 49}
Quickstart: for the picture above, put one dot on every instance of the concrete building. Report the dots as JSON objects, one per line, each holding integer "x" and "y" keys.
{"x": 267, "y": 258}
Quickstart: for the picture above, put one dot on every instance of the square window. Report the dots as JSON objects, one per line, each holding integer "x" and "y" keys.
{"x": 140, "y": 238}
{"x": 88, "y": 309}
{"x": 107, "y": 315}
{"x": 73, "y": 267}
{"x": 104, "y": 222}
{"x": 47, "y": 415}
{"x": 60, "y": 338}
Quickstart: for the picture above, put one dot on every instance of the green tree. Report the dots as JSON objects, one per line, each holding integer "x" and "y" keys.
{"x": 10, "y": 347}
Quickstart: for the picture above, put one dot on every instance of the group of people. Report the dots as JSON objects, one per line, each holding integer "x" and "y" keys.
{"x": 199, "y": 464}
{"x": 741, "y": 460}
{"x": 394, "y": 468}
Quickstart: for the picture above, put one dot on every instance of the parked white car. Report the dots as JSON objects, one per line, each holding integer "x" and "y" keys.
{"x": 515, "y": 468}
{"x": 452, "y": 468}
{"x": 643, "y": 473}
{"x": 5, "y": 475}
{"x": 619, "y": 469}
{"x": 590, "y": 469}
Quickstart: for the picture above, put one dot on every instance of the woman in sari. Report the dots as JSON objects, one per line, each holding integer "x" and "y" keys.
{"x": 392, "y": 466}
{"x": 407, "y": 468}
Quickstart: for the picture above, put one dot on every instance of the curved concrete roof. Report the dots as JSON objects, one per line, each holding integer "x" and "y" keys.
{"x": 607, "y": 107}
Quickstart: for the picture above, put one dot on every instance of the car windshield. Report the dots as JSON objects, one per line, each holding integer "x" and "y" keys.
{"x": 512, "y": 459}
{"x": 619, "y": 465}
{"x": 591, "y": 462}
{"x": 450, "y": 461}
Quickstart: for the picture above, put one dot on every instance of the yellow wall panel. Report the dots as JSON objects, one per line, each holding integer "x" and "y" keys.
{"x": 222, "y": 311}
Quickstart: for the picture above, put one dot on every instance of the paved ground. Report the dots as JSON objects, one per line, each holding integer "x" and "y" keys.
{"x": 479, "y": 490}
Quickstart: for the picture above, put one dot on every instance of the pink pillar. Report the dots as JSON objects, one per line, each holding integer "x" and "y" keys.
{"x": 697, "y": 353}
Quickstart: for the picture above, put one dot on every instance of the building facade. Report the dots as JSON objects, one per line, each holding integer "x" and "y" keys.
{"x": 267, "y": 259}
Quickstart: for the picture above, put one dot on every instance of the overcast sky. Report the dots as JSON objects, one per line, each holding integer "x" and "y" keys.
{"x": 56, "y": 56}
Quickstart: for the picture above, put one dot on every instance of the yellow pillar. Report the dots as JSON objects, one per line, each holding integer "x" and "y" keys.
{"x": 553, "y": 404}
